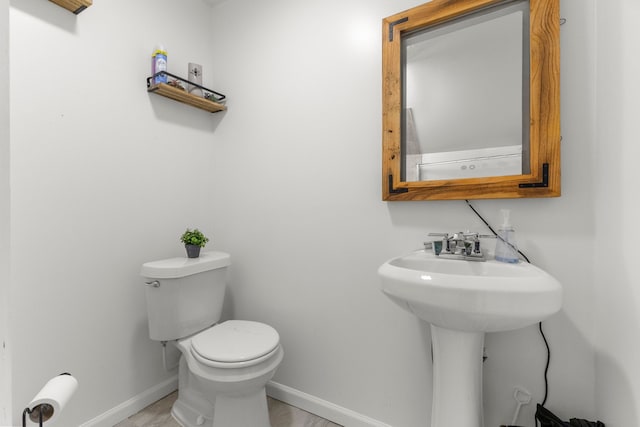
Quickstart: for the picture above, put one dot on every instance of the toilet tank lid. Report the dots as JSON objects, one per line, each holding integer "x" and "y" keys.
{"x": 174, "y": 268}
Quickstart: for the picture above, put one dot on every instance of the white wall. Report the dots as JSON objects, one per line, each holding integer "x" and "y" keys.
{"x": 618, "y": 210}
{"x": 297, "y": 164}
{"x": 288, "y": 182}
{"x": 5, "y": 361}
{"x": 104, "y": 177}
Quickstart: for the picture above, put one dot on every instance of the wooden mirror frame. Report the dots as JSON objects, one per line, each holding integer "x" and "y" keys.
{"x": 544, "y": 109}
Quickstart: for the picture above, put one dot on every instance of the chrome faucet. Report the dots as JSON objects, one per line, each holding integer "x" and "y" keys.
{"x": 464, "y": 246}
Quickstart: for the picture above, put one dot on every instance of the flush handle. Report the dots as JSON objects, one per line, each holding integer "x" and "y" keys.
{"x": 153, "y": 284}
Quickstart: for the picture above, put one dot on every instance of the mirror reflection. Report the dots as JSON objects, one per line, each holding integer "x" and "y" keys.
{"x": 471, "y": 100}
{"x": 465, "y": 103}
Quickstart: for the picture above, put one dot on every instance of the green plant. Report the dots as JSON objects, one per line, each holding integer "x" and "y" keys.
{"x": 194, "y": 237}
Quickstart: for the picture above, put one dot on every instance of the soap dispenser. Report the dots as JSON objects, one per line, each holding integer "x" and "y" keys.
{"x": 506, "y": 246}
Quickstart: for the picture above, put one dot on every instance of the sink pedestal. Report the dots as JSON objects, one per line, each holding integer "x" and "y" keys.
{"x": 457, "y": 378}
{"x": 466, "y": 299}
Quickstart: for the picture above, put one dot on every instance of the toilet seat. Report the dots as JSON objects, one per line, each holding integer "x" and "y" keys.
{"x": 235, "y": 344}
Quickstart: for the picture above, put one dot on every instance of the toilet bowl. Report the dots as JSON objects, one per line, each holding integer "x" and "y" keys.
{"x": 228, "y": 366}
{"x": 223, "y": 368}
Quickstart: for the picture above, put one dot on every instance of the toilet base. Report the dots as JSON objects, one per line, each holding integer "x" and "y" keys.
{"x": 238, "y": 399}
{"x": 229, "y": 411}
{"x": 187, "y": 416}
{"x": 247, "y": 410}
{"x": 191, "y": 409}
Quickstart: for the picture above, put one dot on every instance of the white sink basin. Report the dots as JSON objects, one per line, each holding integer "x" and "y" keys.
{"x": 462, "y": 300}
{"x": 470, "y": 296}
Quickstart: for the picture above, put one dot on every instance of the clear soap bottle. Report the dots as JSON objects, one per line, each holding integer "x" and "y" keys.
{"x": 506, "y": 246}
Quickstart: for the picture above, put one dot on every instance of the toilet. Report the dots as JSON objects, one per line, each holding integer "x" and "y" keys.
{"x": 224, "y": 367}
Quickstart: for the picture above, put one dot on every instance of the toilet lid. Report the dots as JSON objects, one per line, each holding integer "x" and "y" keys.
{"x": 235, "y": 341}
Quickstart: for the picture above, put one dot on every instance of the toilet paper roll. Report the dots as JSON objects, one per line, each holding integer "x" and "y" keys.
{"x": 52, "y": 399}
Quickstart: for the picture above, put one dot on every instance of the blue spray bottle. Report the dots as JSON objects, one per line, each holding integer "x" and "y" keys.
{"x": 159, "y": 63}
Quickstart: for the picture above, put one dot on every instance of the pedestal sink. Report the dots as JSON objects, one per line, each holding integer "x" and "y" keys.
{"x": 462, "y": 300}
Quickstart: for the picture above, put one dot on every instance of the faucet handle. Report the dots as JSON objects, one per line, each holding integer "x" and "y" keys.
{"x": 437, "y": 244}
{"x": 474, "y": 237}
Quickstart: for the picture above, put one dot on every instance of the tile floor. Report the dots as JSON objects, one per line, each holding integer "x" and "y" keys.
{"x": 158, "y": 414}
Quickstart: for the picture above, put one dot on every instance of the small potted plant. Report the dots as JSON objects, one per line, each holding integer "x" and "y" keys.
{"x": 193, "y": 240}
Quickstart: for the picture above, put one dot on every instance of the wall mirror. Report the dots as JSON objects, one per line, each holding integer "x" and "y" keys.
{"x": 471, "y": 104}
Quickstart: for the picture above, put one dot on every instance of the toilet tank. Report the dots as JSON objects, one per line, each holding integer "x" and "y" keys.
{"x": 184, "y": 295}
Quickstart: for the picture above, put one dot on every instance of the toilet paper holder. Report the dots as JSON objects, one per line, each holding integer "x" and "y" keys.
{"x": 50, "y": 400}
{"x": 39, "y": 414}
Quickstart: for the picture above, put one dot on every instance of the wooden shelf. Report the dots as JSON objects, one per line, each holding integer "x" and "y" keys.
{"x": 186, "y": 98}
{"x": 75, "y": 6}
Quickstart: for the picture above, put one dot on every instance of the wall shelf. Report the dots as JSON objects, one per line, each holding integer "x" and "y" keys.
{"x": 75, "y": 6}
{"x": 183, "y": 96}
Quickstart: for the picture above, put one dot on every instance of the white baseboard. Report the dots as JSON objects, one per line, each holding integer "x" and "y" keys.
{"x": 135, "y": 404}
{"x": 289, "y": 395}
{"x": 337, "y": 414}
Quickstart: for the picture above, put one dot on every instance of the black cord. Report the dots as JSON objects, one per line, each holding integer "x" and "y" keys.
{"x": 546, "y": 368}
{"x": 544, "y": 338}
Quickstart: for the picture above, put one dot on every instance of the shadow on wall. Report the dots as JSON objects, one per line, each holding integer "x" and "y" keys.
{"x": 48, "y": 12}
{"x": 166, "y": 110}
{"x": 518, "y": 358}
{"x": 623, "y": 404}
{"x": 618, "y": 328}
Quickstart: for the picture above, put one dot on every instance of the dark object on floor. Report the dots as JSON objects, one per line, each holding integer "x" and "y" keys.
{"x": 548, "y": 419}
